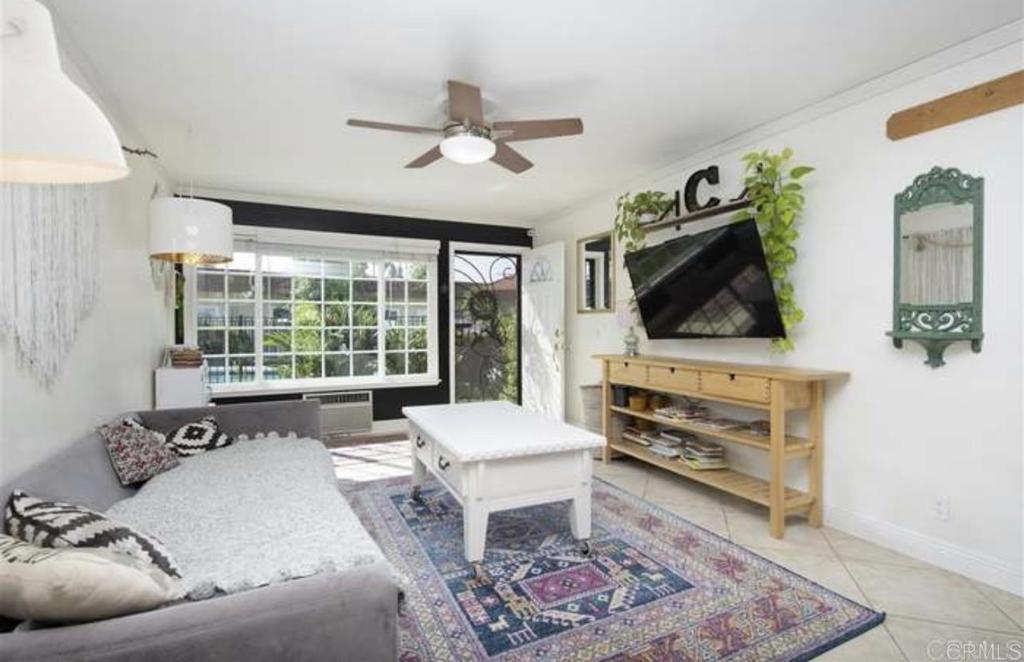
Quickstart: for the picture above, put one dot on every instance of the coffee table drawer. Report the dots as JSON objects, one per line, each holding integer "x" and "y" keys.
{"x": 421, "y": 444}
{"x": 740, "y": 387}
{"x": 445, "y": 467}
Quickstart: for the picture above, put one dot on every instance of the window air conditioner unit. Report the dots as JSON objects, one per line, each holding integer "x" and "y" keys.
{"x": 344, "y": 412}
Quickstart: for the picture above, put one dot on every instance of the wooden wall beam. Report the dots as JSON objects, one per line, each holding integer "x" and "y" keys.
{"x": 988, "y": 97}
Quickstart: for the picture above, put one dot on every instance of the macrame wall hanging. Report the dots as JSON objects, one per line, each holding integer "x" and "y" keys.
{"x": 48, "y": 269}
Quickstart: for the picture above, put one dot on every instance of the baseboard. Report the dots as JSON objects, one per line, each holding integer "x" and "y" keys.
{"x": 980, "y": 567}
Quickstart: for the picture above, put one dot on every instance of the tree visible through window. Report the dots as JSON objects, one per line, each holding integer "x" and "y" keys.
{"x": 272, "y": 318}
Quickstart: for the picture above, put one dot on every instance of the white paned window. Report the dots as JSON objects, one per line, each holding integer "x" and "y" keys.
{"x": 226, "y": 319}
{"x": 276, "y": 317}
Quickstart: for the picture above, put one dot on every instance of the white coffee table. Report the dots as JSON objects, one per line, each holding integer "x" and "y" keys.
{"x": 495, "y": 456}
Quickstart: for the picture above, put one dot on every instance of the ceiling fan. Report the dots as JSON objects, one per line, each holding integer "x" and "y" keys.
{"x": 467, "y": 138}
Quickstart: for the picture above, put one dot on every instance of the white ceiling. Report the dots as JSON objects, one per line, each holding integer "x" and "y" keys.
{"x": 266, "y": 85}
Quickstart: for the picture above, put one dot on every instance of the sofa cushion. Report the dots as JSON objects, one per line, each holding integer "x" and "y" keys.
{"x": 136, "y": 452}
{"x": 195, "y": 438}
{"x": 57, "y": 524}
{"x": 68, "y": 584}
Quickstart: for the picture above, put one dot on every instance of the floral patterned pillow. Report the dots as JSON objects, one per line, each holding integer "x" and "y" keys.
{"x": 133, "y": 422}
{"x": 137, "y": 453}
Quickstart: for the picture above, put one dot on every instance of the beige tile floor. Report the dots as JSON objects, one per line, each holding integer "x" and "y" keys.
{"x": 932, "y": 614}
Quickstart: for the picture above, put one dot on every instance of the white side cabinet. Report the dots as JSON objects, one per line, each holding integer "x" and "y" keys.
{"x": 181, "y": 387}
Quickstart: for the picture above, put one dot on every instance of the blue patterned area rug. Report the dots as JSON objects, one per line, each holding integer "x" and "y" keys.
{"x": 655, "y": 587}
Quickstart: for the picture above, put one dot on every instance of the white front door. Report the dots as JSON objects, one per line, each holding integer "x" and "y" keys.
{"x": 543, "y": 324}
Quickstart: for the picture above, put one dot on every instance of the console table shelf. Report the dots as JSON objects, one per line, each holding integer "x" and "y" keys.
{"x": 775, "y": 389}
{"x": 735, "y": 483}
{"x": 795, "y": 446}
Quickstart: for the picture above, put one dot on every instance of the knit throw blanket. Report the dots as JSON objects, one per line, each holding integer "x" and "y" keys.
{"x": 254, "y": 513}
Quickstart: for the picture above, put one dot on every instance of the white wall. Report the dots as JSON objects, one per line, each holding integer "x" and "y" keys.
{"x": 109, "y": 369}
{"x": 898, "y": 434}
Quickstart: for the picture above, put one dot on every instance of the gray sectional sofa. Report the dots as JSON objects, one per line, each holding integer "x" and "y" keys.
{"x": 350, "y": 615}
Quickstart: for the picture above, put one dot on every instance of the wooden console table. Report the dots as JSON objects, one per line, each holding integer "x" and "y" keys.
{"x": 777, "y": 390}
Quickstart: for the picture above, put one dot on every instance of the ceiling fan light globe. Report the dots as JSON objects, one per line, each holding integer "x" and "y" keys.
{"x": 467, "y": 149}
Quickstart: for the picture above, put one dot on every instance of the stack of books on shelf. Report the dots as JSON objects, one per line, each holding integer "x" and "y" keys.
{"x": 701, "y": 455}
{"x": 687, "y": 410}
{"x": 184, "y": 357}
{"x": 635, "y": 435}
{"x": 697, "y": 414}
{"x": 669, "y": 443}
{"x": 761, "y": 428}
{"x": 722, "y": 423}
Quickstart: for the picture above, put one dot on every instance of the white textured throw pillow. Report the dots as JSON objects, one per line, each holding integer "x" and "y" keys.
{"x": 72, "y": 584}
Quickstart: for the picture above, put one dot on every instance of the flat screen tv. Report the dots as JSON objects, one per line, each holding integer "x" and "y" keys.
{"x": 712, "y": 284}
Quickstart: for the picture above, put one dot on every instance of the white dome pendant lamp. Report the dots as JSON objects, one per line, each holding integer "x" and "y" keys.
{"x": 190, "y": 231}
{"x": 51, "y": 132}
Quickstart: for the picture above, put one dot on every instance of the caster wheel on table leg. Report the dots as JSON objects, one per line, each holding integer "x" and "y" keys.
{"x": 585, "y": 548}
{"x": 416, "y": 495}
{"x": 479, "y": 574}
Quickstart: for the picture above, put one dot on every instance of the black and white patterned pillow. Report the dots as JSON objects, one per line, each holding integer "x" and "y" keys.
{"x": 195, "y": 438}
{"x": 56, "y": 524}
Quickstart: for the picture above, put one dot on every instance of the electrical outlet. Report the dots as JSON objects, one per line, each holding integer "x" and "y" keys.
{"x": 942, "y": 508}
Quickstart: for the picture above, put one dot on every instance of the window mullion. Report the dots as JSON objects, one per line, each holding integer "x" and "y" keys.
{"x": 381, "y": 322}
{"x": 323, "y": 319}
{"x": 292, "y": 325}
{"x": 258, "y": 275}
{"x": 405, "y": 321}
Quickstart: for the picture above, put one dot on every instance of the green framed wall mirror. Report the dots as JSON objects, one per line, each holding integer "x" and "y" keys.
{"x": 595, "y": 274}
{"x": 937, "y": 292}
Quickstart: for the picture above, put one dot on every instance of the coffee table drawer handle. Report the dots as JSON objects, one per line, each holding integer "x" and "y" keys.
{"x": 419, "y": 442}
{"x": 442, "y": 463}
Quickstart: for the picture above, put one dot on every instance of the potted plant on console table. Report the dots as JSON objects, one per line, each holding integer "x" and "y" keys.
{"x": 632, "y": 212}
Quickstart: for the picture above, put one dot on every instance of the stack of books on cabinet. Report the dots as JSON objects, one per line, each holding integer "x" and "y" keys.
{"x": 696, "y": 453}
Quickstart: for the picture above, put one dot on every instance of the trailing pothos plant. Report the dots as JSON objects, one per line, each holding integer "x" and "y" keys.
{"x": 628, "y": 212}
{"x": 629, "y": 209}
{"x": 776, "y": 204}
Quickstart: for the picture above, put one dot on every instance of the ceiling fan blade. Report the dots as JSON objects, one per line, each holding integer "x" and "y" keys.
{"x": 384, "y": 126}
{"x": 535, "y": 129}
{"x": 510, "y": 159}
{"x": 464, "y": 103}
{"x": 425, "y": 159}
